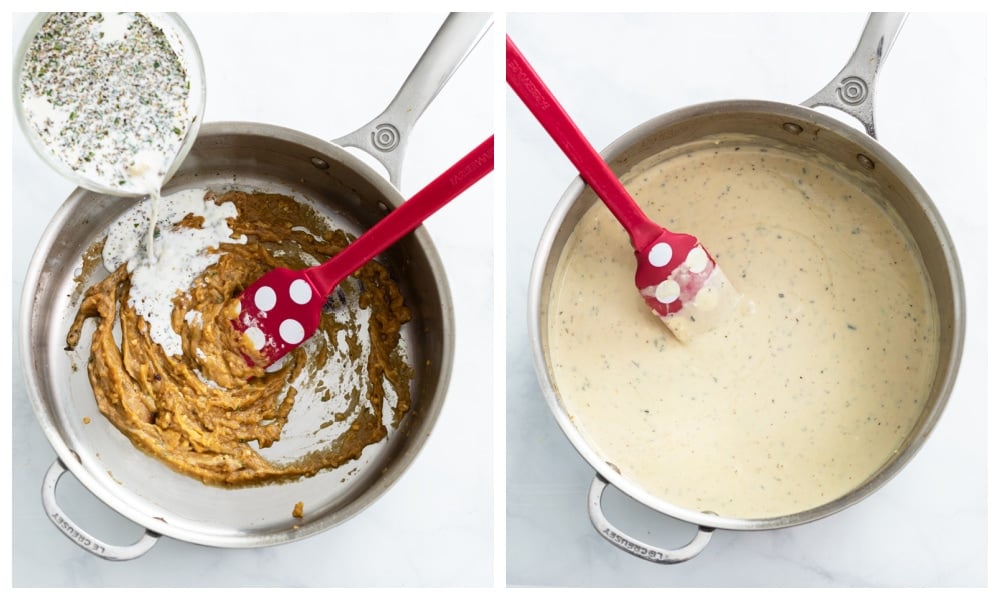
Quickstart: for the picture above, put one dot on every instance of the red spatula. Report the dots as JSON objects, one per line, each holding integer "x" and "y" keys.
{"x": 676, "y": 276}
{"x": 282, "y": 309}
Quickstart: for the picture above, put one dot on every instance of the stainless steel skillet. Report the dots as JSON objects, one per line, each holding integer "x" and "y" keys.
{"x": 339, "y": 185}
{"x": 814, "y": 134}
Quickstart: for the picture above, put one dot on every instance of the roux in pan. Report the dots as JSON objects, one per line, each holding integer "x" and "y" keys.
{"x": 167, "y": 367}
{"x": 798, "y": 399}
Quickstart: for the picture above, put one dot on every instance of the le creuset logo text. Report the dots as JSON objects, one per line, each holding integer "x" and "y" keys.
{"x": 79, "y": 536}
{"x": 632, "y": 546}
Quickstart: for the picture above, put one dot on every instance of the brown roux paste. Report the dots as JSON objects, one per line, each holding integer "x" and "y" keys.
{"x": 203, "y": 412}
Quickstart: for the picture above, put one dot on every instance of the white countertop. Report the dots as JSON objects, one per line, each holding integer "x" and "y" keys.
{"x": 325, "y": 75}
{"x": 926, "y": 527}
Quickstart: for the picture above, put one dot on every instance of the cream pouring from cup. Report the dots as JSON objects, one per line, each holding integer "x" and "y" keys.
{"x": 112, "y": 101}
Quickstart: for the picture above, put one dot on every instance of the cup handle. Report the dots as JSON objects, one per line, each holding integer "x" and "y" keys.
{"x": 80, "y": 537}
{"x": 852, "y": 91}
{"x": 635, "y": 546}
{"x": 385, "y": 136}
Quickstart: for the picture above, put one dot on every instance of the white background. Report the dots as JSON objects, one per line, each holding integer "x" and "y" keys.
{"x": 927, "y": 527}
{"x": 325, "y": 75}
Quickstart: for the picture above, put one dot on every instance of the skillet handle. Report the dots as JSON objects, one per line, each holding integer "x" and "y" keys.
{"x": 853, "y": 89}
{"x": 80, "y": 537}
{"x": 385, "y": 136}
{"x": 634, "y": 546}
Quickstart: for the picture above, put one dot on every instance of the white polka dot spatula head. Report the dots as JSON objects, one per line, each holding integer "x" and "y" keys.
{"x": 282, "y": 309}
{"x": 676, "y": 276}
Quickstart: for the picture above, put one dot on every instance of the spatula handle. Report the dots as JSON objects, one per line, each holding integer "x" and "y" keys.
{"x": 533, "y": 92}
{"x": 458, "y": 178}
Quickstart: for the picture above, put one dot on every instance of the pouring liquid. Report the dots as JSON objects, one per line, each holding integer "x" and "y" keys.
{"x": 107, "y": 96}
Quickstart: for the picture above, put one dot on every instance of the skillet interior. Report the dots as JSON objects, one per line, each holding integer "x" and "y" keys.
{"x": 250, "y": 157}
{"x": 812, "y": 133}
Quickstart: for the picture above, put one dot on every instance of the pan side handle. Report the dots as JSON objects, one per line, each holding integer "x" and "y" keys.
{"x": 80, "y": 537}
{"x": 385, "y": 137}
{"x": 633, "y": 545}
{"x": 853, "y": 89}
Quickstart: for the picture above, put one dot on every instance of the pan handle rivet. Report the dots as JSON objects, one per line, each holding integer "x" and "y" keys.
{"x": 792, "y": 128}
{"x": 866, "y": 162}
{"x": 319, "y": 163}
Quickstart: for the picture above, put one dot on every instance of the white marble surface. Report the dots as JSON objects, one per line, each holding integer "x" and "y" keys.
{"x": 325, "y": 75}
{"x": 927, "y": 527}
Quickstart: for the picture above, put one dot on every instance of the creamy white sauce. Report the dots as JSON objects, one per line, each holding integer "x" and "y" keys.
{"x": 43, "y": 114}
{"x": 182, "y": 255}
{"x": 797, "y": 399}
{"x": 108, "y": 95}
{"x": 113, "y": 27}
